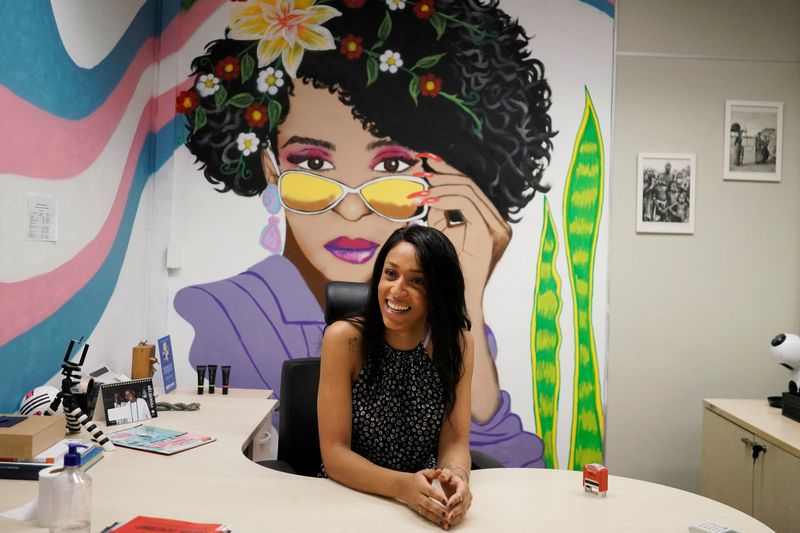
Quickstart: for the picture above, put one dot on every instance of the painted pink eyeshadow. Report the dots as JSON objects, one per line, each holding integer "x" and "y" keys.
{"x": 391, "y": 152}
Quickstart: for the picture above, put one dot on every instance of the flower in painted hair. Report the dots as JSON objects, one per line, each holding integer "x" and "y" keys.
{"x": 247, "y": 143}
{"x": 270, "y": 80}
{"x": 186, "y": 102}
{"x": 227, "y": 68}
{"x": 430, "y": 85}
{"x": 207, "y": 85}
{"x": 351, "y": 47}
{"x": 394, "y": 5}
{"x": 284, "y": 28}
{"x": 390, "y": 61}
{"x": 424, "y": 9}
{"x": 256, "y": 115}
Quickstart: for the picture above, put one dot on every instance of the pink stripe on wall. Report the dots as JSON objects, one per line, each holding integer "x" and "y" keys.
{"x": 24, "y": 126}
{"x": 38, "y": 297}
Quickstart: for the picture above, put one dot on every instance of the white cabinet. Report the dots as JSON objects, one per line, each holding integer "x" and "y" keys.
{"x": 765, "y": 487}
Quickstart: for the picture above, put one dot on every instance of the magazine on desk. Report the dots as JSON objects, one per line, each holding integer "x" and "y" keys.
{"x": 158, "y": 440}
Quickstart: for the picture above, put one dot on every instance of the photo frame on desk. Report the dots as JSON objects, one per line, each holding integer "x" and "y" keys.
{"x": 129, "y": 401}
{"x": 167, "y": 363}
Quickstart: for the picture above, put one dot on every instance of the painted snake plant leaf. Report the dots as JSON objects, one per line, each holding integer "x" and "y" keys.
{"x": 546, "y": 339}
{"x": 583, "y": 202}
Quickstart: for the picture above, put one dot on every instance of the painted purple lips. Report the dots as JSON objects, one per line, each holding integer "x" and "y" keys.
{"x": 354, "y": 251}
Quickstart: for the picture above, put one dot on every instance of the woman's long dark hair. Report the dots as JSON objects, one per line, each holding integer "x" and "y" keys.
{"x": 447, "y": 308}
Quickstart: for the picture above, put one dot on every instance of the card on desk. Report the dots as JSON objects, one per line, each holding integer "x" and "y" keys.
{"x": 129, "y": 401}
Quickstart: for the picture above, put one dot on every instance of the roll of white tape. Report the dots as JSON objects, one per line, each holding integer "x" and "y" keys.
{"x": 44, "y": 512}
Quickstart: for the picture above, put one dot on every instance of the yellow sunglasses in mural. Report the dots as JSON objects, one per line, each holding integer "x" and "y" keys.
{"x": 392, "y": 197}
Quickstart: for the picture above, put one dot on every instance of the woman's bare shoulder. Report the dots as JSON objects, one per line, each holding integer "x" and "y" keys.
{"x": 343, "y": 329}
{"x": 342, "y": 347}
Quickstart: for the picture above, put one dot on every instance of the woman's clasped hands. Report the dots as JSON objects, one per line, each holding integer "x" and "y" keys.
{"x": 444, "y": 504}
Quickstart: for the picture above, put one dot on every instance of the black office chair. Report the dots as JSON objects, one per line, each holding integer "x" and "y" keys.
{"x": 298, "y": 438}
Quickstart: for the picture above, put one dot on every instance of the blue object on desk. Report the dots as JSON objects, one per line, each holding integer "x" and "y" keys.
{"x": 167, "y": 364}
{"x": 8, "y": 421}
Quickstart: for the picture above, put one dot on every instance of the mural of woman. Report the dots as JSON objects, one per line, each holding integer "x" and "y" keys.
{"x": 357, "y": 117}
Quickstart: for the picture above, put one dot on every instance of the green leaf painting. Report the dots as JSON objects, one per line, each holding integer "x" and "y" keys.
{"x": 200, "y": 119}
{"x": 546, "y": 339}
{"x": 241, "y": 100}
{"x": 583, "y": 202}
{"x": 248, "y": 66}
{"x": 220, "y": 96}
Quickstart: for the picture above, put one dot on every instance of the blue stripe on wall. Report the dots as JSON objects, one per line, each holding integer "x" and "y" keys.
{"x": 603, "y": 5}
{"x": 36, "y": 355}
{"x": 45, "y": 75}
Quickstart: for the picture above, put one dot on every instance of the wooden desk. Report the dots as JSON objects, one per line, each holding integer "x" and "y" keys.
{"x": 217, "y": 483}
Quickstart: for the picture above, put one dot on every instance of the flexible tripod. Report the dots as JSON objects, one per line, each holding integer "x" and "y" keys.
{"x": 75, "y": 415}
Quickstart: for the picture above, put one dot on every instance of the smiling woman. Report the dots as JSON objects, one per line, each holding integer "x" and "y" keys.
{"x": 357, "y": 118}
{"x": 394, "y": 388}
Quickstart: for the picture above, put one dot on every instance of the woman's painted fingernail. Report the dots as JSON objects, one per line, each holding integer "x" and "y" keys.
{"x": 427, "y": 201}
{"x": 422, "y": 174}
{"x": 417, "y": 195}
{"x": 428, "y": 155}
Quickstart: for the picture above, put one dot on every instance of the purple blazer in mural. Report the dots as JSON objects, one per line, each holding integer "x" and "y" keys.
{"x": 256, "y": 320}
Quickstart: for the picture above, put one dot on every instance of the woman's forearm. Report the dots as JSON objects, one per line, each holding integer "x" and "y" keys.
{"x": 457, "y": 458}
{"x": 351, "y": 469}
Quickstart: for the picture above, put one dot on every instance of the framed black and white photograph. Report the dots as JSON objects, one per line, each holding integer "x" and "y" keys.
{"x": 753, "y": 140}
{"x": 128, "y": 401}
{"x": 665, "y": 193}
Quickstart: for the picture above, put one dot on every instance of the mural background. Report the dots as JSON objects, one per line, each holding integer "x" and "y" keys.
{"x": 90, "y": 118}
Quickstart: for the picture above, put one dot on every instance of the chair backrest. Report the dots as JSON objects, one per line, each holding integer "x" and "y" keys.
{"x": 298, "y": 444}
{"x": 343, "y": 298}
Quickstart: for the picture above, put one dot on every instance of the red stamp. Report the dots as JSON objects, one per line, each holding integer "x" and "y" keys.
{"x": 595, "y": 479}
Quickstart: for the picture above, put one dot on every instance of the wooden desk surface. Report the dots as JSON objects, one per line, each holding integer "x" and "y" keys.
{"x": 217, "y": 483}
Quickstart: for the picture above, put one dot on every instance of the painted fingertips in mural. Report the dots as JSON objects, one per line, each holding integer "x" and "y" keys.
{"x": 546, "y": 339}
{"x": 583, "y": 201}
{"x": 582, "y": 208}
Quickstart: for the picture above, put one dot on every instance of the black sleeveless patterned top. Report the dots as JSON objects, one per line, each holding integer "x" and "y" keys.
{"x": 398, "y": 408}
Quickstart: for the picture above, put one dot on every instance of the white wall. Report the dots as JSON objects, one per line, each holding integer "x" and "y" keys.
{"x": 691, "y": 316}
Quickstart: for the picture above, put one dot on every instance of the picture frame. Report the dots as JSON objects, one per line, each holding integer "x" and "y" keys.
{"x": 753, "y": 140}
{"x": 128, "y": 401}
{"x": 665, "y": 200}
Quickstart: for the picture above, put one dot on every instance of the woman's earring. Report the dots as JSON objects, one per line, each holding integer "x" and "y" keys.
{"x": 271, "y": 234}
